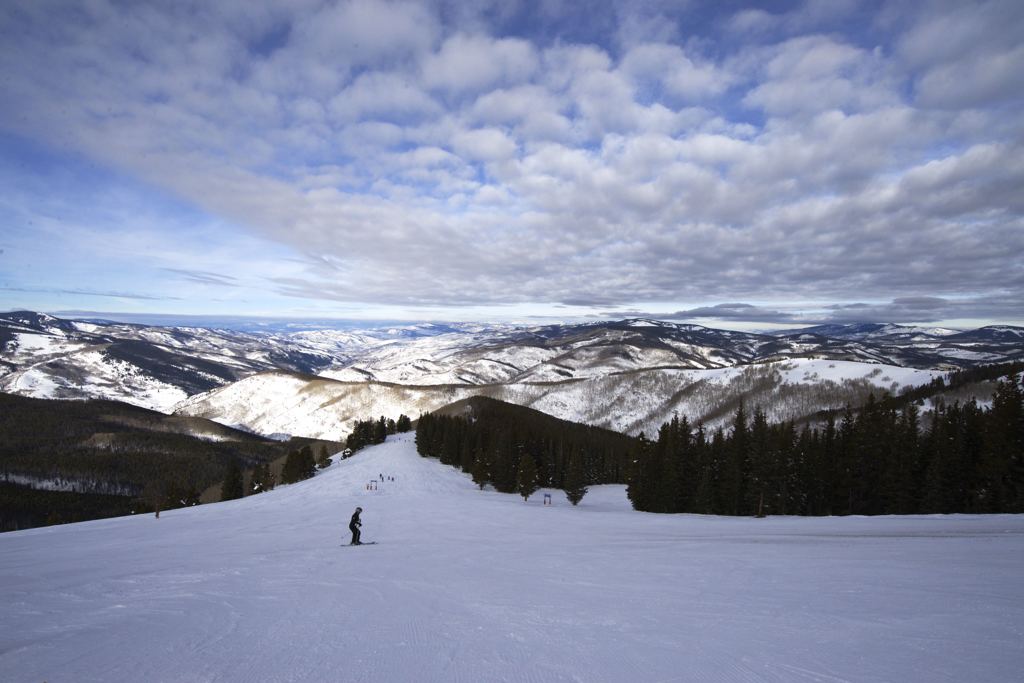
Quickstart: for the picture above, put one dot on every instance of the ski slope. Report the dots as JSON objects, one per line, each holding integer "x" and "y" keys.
{"x": 479, "y": 586}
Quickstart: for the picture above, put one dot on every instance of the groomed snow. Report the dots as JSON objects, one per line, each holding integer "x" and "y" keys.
{"x": 479, "y": 586}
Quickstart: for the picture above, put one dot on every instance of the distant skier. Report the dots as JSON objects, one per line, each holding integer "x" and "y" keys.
{"x": 354, "y": 525}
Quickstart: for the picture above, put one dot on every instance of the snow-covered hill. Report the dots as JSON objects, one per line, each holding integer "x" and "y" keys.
{"x": 633, "y": 402}
{"x": 467, "y": 585}
{"x": 153, "y": 367}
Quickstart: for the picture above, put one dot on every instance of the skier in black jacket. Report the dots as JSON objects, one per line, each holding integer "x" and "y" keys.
{"x": 354, "y": 525}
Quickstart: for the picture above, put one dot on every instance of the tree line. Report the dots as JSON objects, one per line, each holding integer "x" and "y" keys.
{"x": 880, "y": 459}
{"x": 371, "y": 432}
{"x": 300, "y": 464}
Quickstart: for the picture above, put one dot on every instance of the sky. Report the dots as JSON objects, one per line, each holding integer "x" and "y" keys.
{"x": 734, "y": 164}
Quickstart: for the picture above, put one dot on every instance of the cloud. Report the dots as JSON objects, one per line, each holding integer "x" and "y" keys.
{"x": 90, "y": 293}
{"x": 811, "y": 74}
{"x": 484, "y": 144}
{"x": 967, "y": 56}
{"x": 922, "y": 309}
{"x": 204, "y": 277}
{"x": 357, "y": 33}
{"x": 809, "y": 15}
{"x": 669, "y": 69}
{"x": 438, "y": 154}
{"x": 475, "y": 62}
{"x": 731, "y": 312}
{"x": 746, "y": 312}
{"x": 925, "y": 309}
{"x": 382, "y": 97}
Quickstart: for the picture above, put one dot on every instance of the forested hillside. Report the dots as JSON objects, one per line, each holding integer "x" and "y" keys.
{"x": 510, "y": 447}
{"x": 879, "y": 459}
{"x": 72, "y": 460}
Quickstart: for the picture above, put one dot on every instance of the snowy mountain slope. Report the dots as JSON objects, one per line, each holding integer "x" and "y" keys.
{"x": 632, "y": 402}
{"x": 156, "y": 367}
{"x": 551, "y": 353}
{"x": 479, "y": 586}
{"x": 153, "y": 367}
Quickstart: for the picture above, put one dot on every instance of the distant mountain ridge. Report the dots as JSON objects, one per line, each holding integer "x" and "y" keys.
{"x": 558, "y": 352}
{"x": 160, "y": 367}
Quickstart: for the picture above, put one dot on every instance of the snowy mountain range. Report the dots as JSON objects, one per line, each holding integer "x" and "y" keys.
{"x": 627, "y": 375}
{"x": 558, "y": 352}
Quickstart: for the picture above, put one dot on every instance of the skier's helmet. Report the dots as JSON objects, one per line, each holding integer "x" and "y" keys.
{"x": 359, "y": 509}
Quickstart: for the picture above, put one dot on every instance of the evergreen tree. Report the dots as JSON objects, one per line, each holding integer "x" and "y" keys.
{"x": 155, "y": 495}
{"x": 481, "y": 471}
{"x": 323, "y": 458}
{"x": 307, "y": 462}
{"x": 641, "y": 482}
{"x": 943, "y": 452}
{"x": 526, "y": 476}
{"x": 290, "y": 471}
{"x": 737, "y": 466}
{"x": 901, "y": 478}
{"x": 181, "y": 493}
{"x": 298, "y": 466}
{"x": 707, "y": 466}
{"x": 1002, "y": 462}
{"x": 380, "y": 430}
{"x": 845, "y": 456}
{"x": 366, "y": 433}
{"x": 575, "y": 483}
{"x": 232, "y": 487}
{"x": 262, "y": 478}
{"x": 758, "y": 479}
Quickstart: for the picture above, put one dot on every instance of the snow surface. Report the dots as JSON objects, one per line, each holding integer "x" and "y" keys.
{"x": 802, "y": 370}
{"x": 467, "y": 585}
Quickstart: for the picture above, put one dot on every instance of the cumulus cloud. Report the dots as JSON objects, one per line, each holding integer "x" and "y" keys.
{"x": 484, "y": 144}
{"x": 806, "y": 16}
{"x": 474, "y": 63}
{"x": 429, "y": 153}
{"x": 382, "y": 97}
{"x": 660, "y": 69}
{"x": 968, "y": 55}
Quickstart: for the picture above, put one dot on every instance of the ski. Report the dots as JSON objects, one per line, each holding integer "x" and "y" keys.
{"x": 346, "y": 545}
